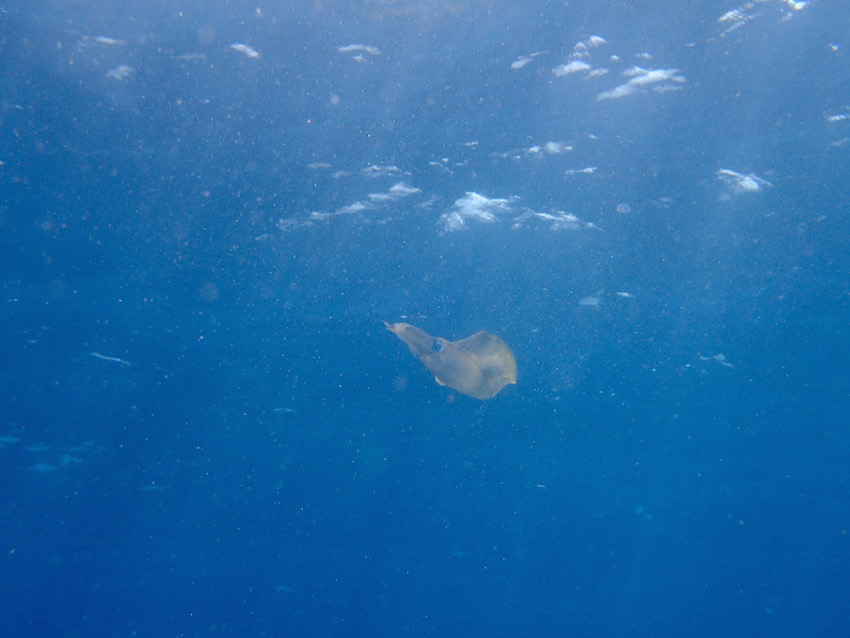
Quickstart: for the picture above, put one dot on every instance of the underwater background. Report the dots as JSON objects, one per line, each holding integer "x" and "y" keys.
{"x": 208, "y": 209}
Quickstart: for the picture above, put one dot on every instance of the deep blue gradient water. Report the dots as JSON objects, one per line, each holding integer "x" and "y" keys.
{"x": 207, "y": 209}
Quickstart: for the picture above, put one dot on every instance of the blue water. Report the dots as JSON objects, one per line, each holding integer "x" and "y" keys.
{"x": 208, "y": 209}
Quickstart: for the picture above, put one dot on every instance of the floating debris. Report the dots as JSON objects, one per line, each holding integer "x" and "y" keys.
{"x": 244, "y": 48}
{"x": 740, "y": 183}
{"x": 103, "y": 357}
{"x": 121, "y": 72}
{"x": 719, "y": 357}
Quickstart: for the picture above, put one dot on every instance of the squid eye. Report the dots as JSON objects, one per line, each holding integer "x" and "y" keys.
{"x": 437, "y": 346}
